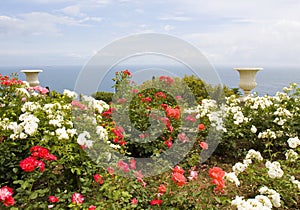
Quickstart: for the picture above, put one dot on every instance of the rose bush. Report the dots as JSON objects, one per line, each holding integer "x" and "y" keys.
{"x": 51, "y": 145}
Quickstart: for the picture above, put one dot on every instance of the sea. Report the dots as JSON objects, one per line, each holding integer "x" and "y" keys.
{"x": 59, "y": 77}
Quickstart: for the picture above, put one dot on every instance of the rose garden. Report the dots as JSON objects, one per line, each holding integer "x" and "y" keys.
{"x": 166, "y": 144}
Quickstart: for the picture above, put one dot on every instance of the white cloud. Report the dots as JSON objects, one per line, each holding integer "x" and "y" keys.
{"x": 175, "y": 18}
{"x": 168, "y": 28}
{"x": 261, "y": 42}
{"x": 39, "y": 23}
{"x": 73, "y": 10}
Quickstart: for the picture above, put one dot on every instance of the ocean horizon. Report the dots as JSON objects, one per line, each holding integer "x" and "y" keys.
{"x": 57, "y": 77}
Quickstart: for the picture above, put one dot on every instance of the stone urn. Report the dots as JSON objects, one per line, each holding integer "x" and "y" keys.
{"x": 247, "y": 79}
{"x": 32, "y": 77}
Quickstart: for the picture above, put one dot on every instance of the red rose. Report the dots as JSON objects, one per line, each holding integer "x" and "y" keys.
{"x": 28, "y": 164}
{"x": 204, "y": 145}
{"x": 127, "y": 72}
{"x": 155, "y": 202}
{"x": 216, "y": 173}
{"x": 5, "y": 192}
{"x": 178, "y": 179}
{"x": 10, "y": 201}
{"x": 173, "y": 112}
{"x": 53, "y": 199}
{"x": 98, "y": 178}
{"x": 168, "y": 144}
{"x": 134, "y": 201}
{"x": 201, "y": 127}
{"x": 162, "y": 188}
{"x": 178, "y": 169}
{"x": 92, "y": 208}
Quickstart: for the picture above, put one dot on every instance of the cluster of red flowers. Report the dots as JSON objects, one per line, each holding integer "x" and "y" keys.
{"x": 31, "y": 162}
{"x": 77, "y": 199}
{"x": 127, "y": 72}
{"x": 178, "y": 177}
{"x": 108, "y": 112}
{"x": 6, "y": 81}
{"x": 160, "y": 95}
{"x": 167, "y": 80}
{"x": 53, "y": 199}
{"x": 119, "y": 137}
{"x": 217, "y": 174}
{"x": 172, "y": 112}
{"x": 99, "y": 179}
{"x": 146, "y": 100}
{"x": 156, "y": 202}
{"x": 6, "y": 196}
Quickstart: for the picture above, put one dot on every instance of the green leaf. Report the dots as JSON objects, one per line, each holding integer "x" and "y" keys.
{"x": 15, "y": 170}
{"x": 33, "y": 196}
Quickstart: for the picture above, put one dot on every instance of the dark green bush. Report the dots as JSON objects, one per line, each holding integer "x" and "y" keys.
{"x": 104, "y": 96}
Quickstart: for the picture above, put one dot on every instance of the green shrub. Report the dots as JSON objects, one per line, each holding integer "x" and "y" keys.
{"x": 104, "y": 96}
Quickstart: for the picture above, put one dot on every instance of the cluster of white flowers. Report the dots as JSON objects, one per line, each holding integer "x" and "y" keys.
{"x": 293, "y": 142}
{"x": 291, "y": 155}
{"x": 241, "y": 167}
{"x": 268, "y": 134}
{"x": 102, "y": 132}
{"x": 27, "y": 126}
{"x": 282, "y": 115}
{"x": 237, "y": 113}
{"x": 275, "y": 170}
{"x": 272, "y": 194}
{"x": 232, "y": 178}
{"x": 209, "y": 108}
{"x": 30, "y": 106}
{"x": 258, "y": 102}
{"x": 290, "y": 88}
{"x": 252, "y": 154}
{"x": 239, "y": 118}
{"x": 29, "y": 122}
{"x": 97, "y": 105}
{"x": 265, "y": 201}
{"x": 295, "y": 182}
{"x": 260, "y": 202}
{"x": 83, "y": 139}
{"x": 216, "y": 119}
{"x": 62, "y": 133}
{"x": 70, "y": 94}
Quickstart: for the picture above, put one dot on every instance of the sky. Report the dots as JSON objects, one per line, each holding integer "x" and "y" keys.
{"x": 70, "y": 32}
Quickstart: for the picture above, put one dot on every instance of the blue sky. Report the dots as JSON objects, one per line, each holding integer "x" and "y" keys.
{"x": 70, "y": 32}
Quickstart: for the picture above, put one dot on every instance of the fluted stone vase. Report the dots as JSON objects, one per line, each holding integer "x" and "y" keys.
{"x": 247, "y": 79}
{"x": 32, "y": 77}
